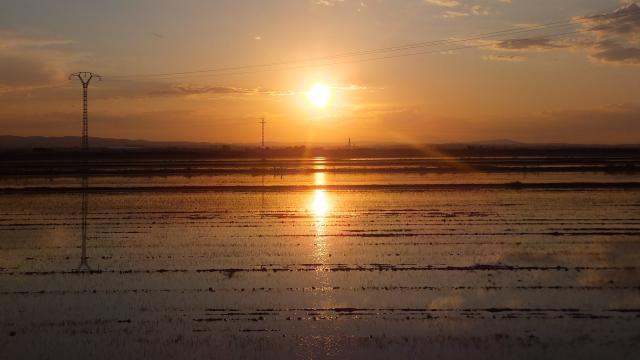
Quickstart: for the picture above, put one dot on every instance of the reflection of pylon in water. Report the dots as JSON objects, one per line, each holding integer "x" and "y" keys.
{"x": 84, "y": 265}
{"x": 262, "y": 199}
{"x": 85, "y": 79}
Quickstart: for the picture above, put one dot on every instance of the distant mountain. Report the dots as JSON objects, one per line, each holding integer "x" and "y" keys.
{"x": 71, "y": 142}
{"x": 506, "y": 143}
{"x": 498, "y": 142}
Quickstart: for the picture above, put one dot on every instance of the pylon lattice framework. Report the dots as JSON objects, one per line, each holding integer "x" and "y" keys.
{"x": 85, "y": 79}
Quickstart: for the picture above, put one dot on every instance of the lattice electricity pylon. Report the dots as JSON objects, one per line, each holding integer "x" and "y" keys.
{"x": 85, "y": 78}
{"x": 262, "y": 122}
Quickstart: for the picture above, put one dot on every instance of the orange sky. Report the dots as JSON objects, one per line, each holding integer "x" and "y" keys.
{"x": 573, "y": 83}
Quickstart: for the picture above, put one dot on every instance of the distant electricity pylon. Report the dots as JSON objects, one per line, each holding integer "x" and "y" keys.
{"x": 262, "y": 122}
{"x": 85, "y": 78}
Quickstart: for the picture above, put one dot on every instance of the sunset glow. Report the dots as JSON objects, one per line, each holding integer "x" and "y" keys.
{"x": 388, "y": 70}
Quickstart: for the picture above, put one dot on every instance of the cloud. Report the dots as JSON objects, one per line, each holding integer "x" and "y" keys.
{"x": 458, "y": 8}
{"x": 198, "y": 90}
{"x": 352, "y": 87}
{"x": 445, "y": 3}
{"x": 608, "y": 51}
{"x": 454, "y": 14}
{"x": 608, "y": 38}
{"x": 538, "y": 44}
{"x": 167, "y": 89}
{"x": 327, "y": 2}
{"x": 109, "y": 89}
{"x": 509, "y": 58}
{"x": 613, "y": 37}
{"x": 479, "y": 10}
{"x": 9, "y": 40}
{"x": 359, "y": 5}
{"x": 190, "y": 89}
{"x": 623, "y": 21}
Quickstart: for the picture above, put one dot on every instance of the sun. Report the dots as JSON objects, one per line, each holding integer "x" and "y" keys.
{"x": 319, "y": 95}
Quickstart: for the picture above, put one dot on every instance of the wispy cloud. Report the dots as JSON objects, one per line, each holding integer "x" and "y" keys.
{"x": 358, "y": 5}
{"x": 500, "y": 57}
{"x": 538, "y": 44}
{"x": 445, "y": 3}
{"x": 454, "y": 14}
{"x": 13, "y": 41}
{"x": 615, "y": 36}
{"x": 462, "y": 8}
{"x": 609, "y": 51}
{"x": 612, "y": 38}
{"x": 189, "y": 89}
{"x": 623, "y": 21}
{"x": 328, "y": 2}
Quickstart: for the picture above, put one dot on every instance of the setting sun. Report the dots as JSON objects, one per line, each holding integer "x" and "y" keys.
{"x": 319, "y": 95}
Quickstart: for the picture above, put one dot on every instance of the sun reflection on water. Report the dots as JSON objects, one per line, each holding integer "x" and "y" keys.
{"x": 319, "y": 179}
{"x": 321, "y": 208}
{"x": 320, "y": 205}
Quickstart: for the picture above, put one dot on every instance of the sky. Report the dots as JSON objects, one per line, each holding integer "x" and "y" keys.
{"x": 478, "y": 70}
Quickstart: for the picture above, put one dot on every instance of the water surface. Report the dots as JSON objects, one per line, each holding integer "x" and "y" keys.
{"x": 321, "y": 272}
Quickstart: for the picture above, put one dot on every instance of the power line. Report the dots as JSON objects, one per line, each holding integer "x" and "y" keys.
{"x": 353, "y": 61}
{"x": 392, "y": 49}
{"x": 349, "y": 54}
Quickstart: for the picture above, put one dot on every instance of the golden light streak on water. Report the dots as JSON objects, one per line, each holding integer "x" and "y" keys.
{"x": 320, "y": 205}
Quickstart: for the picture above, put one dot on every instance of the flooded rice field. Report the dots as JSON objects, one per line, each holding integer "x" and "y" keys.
{"x": 321, "y": 265}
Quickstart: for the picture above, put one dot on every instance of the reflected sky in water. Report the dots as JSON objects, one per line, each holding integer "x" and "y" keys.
{"x": 328, "y": 271}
